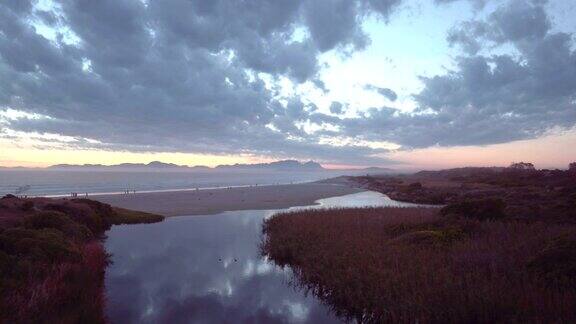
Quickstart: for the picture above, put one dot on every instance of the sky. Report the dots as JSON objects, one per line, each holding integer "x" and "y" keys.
{"x": 407, "y": 84}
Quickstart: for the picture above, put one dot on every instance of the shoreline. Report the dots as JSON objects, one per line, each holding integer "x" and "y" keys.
{"x": 130, "y": 191}
{"x": 213, "y": 201}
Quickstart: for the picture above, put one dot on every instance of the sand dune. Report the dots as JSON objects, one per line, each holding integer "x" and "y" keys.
{"x": 212, "y": 201}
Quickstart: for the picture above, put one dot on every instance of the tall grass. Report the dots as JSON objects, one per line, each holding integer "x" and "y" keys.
{"x": 412, "y": 265}
{"x": 62, "y": 292}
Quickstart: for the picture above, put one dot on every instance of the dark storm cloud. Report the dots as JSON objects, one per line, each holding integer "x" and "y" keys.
{"x": 175, "y": 75}
{"x": 489, "y": 99}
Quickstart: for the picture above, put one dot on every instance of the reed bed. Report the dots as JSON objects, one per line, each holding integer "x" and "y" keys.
{"x": 413, "y": 265}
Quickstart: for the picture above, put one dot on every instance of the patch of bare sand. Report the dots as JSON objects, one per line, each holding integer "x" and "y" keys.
{"x": 213, "y": 201}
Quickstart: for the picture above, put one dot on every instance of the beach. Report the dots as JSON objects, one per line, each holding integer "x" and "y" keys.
{"x": 213, "y": 201}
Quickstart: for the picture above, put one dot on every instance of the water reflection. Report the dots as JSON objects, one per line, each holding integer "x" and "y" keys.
{"x": 361, "y": 199}
{"x": 207, "y": 269}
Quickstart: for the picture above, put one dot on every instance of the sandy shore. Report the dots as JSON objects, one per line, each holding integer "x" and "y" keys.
{"x": 212, "y": 201}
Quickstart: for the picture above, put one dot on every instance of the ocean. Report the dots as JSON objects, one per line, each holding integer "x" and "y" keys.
{"x": 60, "y": 182}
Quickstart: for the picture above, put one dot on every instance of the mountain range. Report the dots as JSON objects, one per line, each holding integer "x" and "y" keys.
{"x": 283, "y": 165}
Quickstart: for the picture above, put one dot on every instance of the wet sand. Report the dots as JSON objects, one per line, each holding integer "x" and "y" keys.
{"x": 213, "y": 201}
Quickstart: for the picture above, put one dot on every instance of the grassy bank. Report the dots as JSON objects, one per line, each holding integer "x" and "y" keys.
{"x": 414, "y": 265}
{"x": 127, "y": 216}
{"x": 52, "y": 261}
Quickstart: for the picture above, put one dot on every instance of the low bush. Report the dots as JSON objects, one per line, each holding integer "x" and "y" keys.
{"x": 104, "y": 211}
{"x": 58, "y": 221}
{"x": 82, "y": 214}
{"x": 415, "y": 186}
{"x": 482, "y": 209}
{"x": 43, "y": 245}
{"x": 440, "y": 198}
{"x": 411, "y": 188}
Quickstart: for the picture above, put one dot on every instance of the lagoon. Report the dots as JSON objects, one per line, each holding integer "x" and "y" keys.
{"x": 206, "y": 269}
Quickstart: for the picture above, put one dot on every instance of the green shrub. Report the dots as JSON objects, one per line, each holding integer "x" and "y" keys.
{"x": 83, "y": 214}
{"x": 412, "y": 187}
{"x": 59, "y": 221}
{"x": 46, "y": 245}
{"x": 415, "y": 186}
{"x": 440, "y": 197}
{"x": 48, "y": 219}
{"x": 482, "y": 209}
{"x": 103, "y": 210}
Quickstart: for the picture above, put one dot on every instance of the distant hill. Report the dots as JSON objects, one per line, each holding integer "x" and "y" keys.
{"x": 282, "y": 165}
{"x": 376, "y": 170}
{"x": 155, "y": 165}
{"x": 285, "y": 165}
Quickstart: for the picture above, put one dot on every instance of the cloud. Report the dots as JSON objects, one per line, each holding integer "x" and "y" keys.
{"x": 388, "y": 93}
{"x": 202, "y": 77}
{"x": 333, "y": 22}
{"x": 336, "y": 108}
{"x": 175, "y": 75}
{"x": 478, "y": 4}
{"x": 518, "y": 22}
{"x": 490, "y": 98}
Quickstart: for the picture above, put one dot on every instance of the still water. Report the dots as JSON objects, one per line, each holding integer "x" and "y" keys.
{"x": 208, "y": 269}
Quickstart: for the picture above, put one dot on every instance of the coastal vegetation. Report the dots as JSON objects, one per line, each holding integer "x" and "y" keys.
{"x": 52, "y": 261}
{"x": 429, "y": 266}
{"x": 525, "y": 192}
{"x": 501, "y": 249}
{"x": 128, "y": 216}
